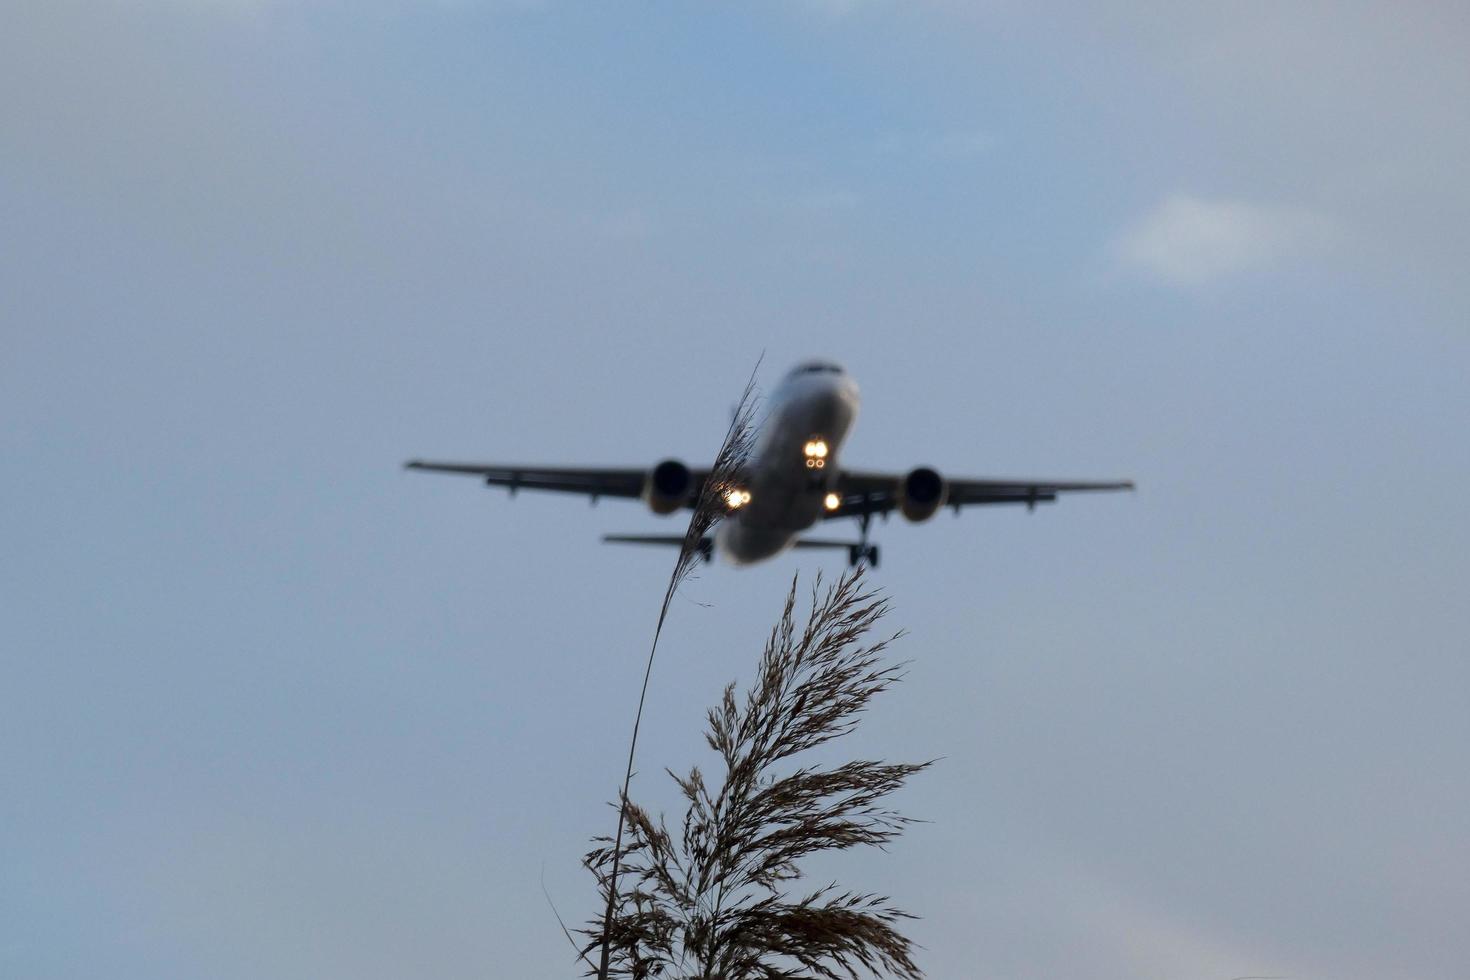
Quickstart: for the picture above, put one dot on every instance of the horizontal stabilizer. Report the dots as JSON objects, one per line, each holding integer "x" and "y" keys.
{"x": 858, "y": 552}
{"x": 706, "y": 544}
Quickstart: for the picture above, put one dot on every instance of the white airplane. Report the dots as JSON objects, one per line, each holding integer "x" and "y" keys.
{"x": 792, "y": 480}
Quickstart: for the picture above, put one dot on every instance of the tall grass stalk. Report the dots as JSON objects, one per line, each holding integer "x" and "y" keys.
{"x": 726, "y": 474}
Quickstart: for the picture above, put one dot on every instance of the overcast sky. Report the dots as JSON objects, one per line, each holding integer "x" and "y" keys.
{"x": 272, "y": 707}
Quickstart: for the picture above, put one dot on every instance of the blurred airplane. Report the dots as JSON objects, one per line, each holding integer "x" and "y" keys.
{"x": 792, "y": 480}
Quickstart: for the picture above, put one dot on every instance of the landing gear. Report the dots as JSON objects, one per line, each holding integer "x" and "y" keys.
{"x": 862, "y": 552}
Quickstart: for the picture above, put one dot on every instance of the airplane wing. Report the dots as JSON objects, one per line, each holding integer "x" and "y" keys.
{"x": 593, "y": 482}
{"x": 878, "y": 493}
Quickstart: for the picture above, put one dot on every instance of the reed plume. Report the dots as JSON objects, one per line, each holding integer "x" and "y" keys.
{"x": 716, "y": 899}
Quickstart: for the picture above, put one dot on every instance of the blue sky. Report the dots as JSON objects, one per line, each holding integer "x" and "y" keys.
{"x": 275, "y": 708}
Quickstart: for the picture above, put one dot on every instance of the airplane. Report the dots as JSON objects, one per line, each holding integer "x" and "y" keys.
{"x": 791, "y": 481}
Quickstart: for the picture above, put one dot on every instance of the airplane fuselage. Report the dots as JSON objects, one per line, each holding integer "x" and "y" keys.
{"x": 793, "y": 465}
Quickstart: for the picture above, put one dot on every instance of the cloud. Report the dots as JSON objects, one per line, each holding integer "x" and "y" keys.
{"x": 1159, "y": 942}
{"x": 1187, "y": 240}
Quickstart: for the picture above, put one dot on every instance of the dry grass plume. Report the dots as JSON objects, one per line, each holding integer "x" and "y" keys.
{"x": 717, "y": 897}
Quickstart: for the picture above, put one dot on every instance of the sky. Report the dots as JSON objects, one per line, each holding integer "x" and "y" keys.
{"x": 273, "y": 707}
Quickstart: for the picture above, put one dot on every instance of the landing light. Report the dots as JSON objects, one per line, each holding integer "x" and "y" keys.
{"x": 832, "y": 501}
{"x": 736, "y": 499}
{"x": 816, "y": 449}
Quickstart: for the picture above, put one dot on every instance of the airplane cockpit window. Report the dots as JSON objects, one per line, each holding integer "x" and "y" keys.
{"x": 816, "y": 367}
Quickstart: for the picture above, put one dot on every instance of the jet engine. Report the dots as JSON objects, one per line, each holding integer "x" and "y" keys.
{"x": 667, "y": 487}
{"x": 921, "y": 493}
